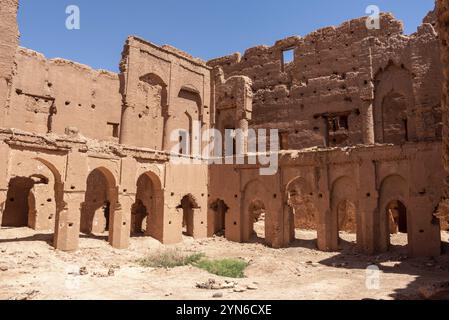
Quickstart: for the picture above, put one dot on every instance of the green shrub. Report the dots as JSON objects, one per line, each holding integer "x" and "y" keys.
{"x": 169, "y": 259}
{"x": 231, "y": 268}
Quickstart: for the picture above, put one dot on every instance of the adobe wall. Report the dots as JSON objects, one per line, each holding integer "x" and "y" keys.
{"x": 164, "y": 90}
{"x": 83, "y": 149}
{"x": 443, "y": 20}
{"x": 8, "y": 46}
{"x": 326, "y": 96}
{"x": 316, "y": 184}
{"x": 59, "y": 96}
{"x": 68, "y": 166}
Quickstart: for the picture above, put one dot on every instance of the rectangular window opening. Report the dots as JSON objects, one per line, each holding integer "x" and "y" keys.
{"x": 288, "y": 56}
{"x": 115, "y": 129}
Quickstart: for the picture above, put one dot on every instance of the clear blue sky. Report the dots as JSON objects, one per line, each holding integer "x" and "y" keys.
{"x": 204, "y": 28}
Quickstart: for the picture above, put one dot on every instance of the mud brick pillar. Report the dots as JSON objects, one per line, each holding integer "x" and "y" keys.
{"x": 120, "y": 226}
{"x": 325, "y": 241}
{"x": 66, "y": 237}
{"x": 368, "y": 220}
{"x": 172, "y": 225}
{"x": 155, "y": 223}
{"x": 199, "y": 224}
{"x": 367, "y": 92}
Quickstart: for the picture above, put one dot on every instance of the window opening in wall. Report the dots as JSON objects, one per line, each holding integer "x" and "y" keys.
{"x": 288, "y": 56}
{"x": 337, "y": 128}
{"x": 115, "y": 129}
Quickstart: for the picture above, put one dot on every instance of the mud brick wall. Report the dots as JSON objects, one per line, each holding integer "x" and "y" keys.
{"x": 8, "y": 45}
{"x": 317, "y": 99}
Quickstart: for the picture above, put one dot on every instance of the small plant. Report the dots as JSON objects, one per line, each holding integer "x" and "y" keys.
{"x": 231, "y": 268}
{"x": 169, "y": 259}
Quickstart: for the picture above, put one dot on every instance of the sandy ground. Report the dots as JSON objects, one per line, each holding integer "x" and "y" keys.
{"x": 31, "y": 269}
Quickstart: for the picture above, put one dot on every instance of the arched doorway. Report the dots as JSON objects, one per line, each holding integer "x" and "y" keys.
{"x": 34, "y": 197}
{"x": 99, "y": 203}
{"x": 392, "y": 104}
{"x": 188, "y": 205}
{"x": 147, "y": 211}
{"x": 17, "y": 206}
{"x": 256, "y": 223}
{"x": 303, "y": 213}
{"x": 394, "y": 214}
{"x": 344, "y": 213}
{"x": 219, "y": 209}
{"x": 347, "y": 223}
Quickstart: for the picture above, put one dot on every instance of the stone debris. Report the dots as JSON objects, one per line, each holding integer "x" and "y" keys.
{"x": 252, "y": 287}
{"x": 213, "y": 284}
{"x": 29, "y": 295}
{"x": 83, "y": 271}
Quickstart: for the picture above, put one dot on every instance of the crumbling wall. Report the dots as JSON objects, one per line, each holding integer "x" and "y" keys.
{"x": 442, "y": 14}
{"x": 8, "y": 45}
{"x": 325, "y": 96}
{"x": 164, "y": 90}
{"x": 49, "y": 96}
{"x": 443, "y": 30}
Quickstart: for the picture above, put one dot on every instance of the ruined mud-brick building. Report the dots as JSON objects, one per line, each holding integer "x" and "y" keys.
{"x": 360, "y": 120}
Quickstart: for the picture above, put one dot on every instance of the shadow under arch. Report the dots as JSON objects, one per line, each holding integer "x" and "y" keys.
{"x": 343, "y": 197}
{"x": 189, "y": 206}
{"x": 255, "y": 202}
{"x": 148, "y": 209}
{"x": 393, "y": 188}
{"x": 58, "y": 194}
{"x": 219, "y": 210}
{"x": 100, "y": 201}
{"x": 302, "y": 211}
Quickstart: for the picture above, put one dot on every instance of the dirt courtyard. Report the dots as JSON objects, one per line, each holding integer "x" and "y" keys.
{"x": 31, "y": 269}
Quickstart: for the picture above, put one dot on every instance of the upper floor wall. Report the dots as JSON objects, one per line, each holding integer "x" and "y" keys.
{"x": 59, "y": 96}
{"x": 164, "y": 90}
{"x": 8, "y": 45}
{"x": 319, "y": 98}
